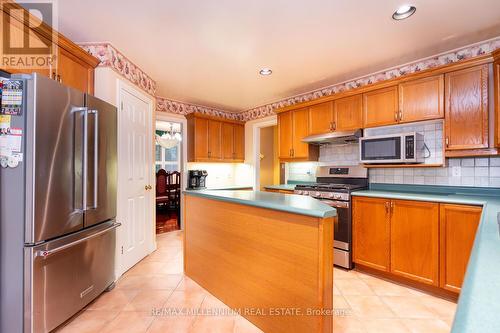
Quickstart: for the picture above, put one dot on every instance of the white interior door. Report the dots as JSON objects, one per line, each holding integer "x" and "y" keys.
{"x": 135, "y": 169}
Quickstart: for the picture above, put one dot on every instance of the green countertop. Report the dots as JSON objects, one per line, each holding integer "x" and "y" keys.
{"x": 283, "y": 202}
{"x": 233, "y": 187}
{"x": 283, "y": 187}
{"x": 479, "y": 302}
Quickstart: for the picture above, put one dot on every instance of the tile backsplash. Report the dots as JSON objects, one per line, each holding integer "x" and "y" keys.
{"x": 478, "y": 172}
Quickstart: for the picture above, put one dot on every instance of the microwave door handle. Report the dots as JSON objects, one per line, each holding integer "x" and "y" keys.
{"x": 96, "y": 155}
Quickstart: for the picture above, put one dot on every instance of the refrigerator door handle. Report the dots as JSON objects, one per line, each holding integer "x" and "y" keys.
{"x": 96, "y": 155}
{"x": 85, "y": 156}
{"x": 44, "y": 254}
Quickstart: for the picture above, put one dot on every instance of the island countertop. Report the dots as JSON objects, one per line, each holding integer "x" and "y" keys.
{"x": 297, "y": 204}
{"x": 479, "y": 301}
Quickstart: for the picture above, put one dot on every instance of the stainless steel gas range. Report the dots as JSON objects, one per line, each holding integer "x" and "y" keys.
{"x": 334, "y": 186}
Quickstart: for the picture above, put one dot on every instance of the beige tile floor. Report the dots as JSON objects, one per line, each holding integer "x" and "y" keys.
{"x": 363, "y": 303}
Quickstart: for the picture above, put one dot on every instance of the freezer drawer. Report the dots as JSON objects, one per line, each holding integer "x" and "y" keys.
{"x": 64, "y": 275}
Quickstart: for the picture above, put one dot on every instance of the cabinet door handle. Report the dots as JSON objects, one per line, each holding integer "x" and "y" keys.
{"x": 387, "y": 207}
{"x": 400, "y": 115}
{"x": 331, "y": 125}
{"x": 293, "y": 152}
{"x": 392, "y": 207}
{"x": 53, "y": 77}
{"x": 396, "y": 114}
{"x": 334, "y": 125}
{"x": 59, "y": 78}
{"x": 447, "y": 142}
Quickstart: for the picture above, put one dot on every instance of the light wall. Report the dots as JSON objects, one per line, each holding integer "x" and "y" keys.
{"x": 225, "y": 174}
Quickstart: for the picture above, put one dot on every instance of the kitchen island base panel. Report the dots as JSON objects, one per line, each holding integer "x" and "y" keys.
{"x": 274, "y": 267}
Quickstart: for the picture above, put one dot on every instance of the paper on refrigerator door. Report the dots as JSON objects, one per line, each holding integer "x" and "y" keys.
{"x": 12, "y": 142}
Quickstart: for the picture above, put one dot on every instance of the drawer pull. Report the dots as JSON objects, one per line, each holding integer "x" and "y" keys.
{"x": 44, "y": 254}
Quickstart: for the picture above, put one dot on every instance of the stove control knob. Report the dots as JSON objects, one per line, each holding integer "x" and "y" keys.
{"x": 300, "y": 192}
{"x": 331, "y": 195}
{"x": 338, "y": 196}
{"x": 317, "y": 194}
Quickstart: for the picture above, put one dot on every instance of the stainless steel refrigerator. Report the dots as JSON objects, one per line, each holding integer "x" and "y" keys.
{"x": 58, "y": 202}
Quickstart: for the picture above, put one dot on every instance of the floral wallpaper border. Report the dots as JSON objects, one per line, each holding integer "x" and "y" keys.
{"x": 171, "y": 106}
{"x": 111, "y": 57}
{"x": 464, "y": 53}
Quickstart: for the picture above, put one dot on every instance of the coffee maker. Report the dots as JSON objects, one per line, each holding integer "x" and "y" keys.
{"x": 196, "y": 179}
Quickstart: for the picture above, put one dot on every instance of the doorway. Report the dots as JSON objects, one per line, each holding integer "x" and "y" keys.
{"x": 135, "y": 160}
{"x": 168, "y": 152}
{"x": 268, "y": 156}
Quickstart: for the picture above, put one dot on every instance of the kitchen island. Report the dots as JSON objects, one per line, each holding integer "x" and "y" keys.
{"x": 268, "y": 256}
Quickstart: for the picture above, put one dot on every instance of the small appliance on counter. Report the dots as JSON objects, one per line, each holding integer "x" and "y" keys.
{"x": 196, "y": 179}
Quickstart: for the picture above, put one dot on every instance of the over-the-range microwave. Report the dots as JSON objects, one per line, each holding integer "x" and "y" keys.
{"x": 394, "y": 148}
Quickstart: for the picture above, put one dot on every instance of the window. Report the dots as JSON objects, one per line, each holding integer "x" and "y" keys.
{"x": 168, "y": 159}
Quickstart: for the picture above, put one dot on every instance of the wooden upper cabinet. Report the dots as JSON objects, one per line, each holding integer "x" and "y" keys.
{"x": 239, "y": 143}
{"x": 300, "y": 124}
{"x": 496, "y": 92}
{"x": 415, "y": 240}
{"x": 285, "y": 133}
{"x": 200, "y": 136}
{"x": 214, "y": 139}
{"x": 371, "y": 232}
{"x": 348, "y": 113}
{"x": 293, "y": 126}
{"x": 321, "y": 118}
{"x": 458, "y": 225}
{"x": 18, "y": 37}
{"x": 72, "y": 66}
{"x": 421, "y": 99}
{"x": 227, "y": 141}
{"x": 74, "y": 73}
{"x": 466, "y": 109}
{"x": 380, "y": 107}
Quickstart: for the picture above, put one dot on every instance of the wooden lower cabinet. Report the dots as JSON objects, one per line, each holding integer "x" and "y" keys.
{"x": 424, "y": 242}
{"x": 279, "y": 191}
{"x": 458, "y": 225}
{"x": 415, "y": 240}
{"x": 371, "y": 238}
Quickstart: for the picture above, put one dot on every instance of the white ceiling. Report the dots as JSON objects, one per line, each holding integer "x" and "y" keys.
{"x": 209, "y": 52}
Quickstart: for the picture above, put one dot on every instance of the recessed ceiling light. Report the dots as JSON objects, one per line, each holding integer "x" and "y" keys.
{"x": 265, "y": 71}
{"x": 403, "y": 12}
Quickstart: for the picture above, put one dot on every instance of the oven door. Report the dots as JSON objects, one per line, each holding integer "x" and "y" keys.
{"x": 342, "y": 233}
{"x": 381, "y": 150}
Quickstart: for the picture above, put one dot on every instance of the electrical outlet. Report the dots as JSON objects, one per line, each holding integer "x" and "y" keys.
{"x": 456, "y": 171}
